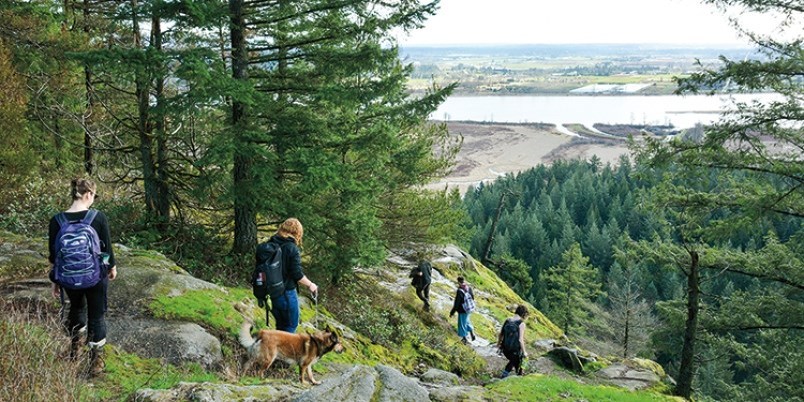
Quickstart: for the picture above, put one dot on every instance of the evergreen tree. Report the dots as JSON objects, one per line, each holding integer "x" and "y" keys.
{"x": 570, "y": 284}
{"x": 631, "y": 316}
{"x": 746, "y": 172}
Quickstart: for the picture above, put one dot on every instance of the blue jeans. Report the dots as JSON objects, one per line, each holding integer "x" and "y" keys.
{"x": 285, "y": 310}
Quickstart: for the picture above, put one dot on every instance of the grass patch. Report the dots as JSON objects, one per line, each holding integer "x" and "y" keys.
{"x": 126, "y": 373}
{"x": 536, "y": 387}
{"x": 33, "y": 366}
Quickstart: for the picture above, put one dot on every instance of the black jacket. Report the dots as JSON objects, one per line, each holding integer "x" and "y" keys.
{"x": 426, "y": 270}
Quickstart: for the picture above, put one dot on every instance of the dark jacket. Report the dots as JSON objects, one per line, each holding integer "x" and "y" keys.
{"x": 426, "y": 270}
{"x": 100, "y": 224}
{"x": 457, "y": 305}
{"x": 291, "y": 261}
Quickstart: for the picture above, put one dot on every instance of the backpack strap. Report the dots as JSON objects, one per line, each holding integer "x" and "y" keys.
{"x": 61, "y": 219}
{"x": 89, "y": 217}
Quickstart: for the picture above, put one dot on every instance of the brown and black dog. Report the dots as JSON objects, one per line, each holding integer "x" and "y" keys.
{"x": 303, "y": 349}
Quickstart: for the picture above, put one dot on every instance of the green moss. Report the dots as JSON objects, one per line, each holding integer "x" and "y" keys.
{"x": 536, "y": 387}
{"x": 126, "y": 373}
{"x": 651, "y": 365}
{"x": 211, "y": 307}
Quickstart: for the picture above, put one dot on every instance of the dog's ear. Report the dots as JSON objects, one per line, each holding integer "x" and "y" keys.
{"x": 328, "y": 329}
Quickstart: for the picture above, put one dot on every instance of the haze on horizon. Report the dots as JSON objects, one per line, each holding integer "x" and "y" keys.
{"x": 484, "y": 22}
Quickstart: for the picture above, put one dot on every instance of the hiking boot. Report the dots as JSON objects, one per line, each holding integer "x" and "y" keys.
{"x": 505, "y": 373}
{"x": 473, "y": 335}
{"x": 96, "y": 362}
{"x": 75, "y": 347}
{"x": 464, "y": 340}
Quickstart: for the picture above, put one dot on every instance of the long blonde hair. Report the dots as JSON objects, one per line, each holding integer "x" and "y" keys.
{"x": 292, "y": 227}
{"x": 79, "y": 187}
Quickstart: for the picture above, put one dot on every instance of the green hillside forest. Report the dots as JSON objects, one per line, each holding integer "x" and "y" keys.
{"x": 207, "y": 123}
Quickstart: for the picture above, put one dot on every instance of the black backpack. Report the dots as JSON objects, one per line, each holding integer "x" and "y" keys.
{"x": 416, "y": 279}
{"x": 268, "y": 277}
{"x": 510, "y": 335}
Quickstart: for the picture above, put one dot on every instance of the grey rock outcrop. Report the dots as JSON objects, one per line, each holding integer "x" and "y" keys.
{"x": 440, "y": 377}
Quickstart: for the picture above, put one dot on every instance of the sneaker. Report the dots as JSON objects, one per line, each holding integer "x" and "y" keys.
{"x": 505, "y": 374}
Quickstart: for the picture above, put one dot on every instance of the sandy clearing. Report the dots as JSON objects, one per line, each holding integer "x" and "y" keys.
{"x": 492, "y": 150}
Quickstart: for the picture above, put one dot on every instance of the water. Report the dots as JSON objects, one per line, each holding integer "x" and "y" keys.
{"x": 680, "y": 111}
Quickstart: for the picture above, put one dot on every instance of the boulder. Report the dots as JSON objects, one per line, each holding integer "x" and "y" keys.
{"x": 356, "y": 384}
{"x": 628, "y": 377}
{"x": 397, "y": 387}
{"x": 208, "y": 392}
{"x": 439, "y": 377}
{"x": 567, "y": 358}
{"x": 175, "y": 342}
{"x": 458, "y": 394}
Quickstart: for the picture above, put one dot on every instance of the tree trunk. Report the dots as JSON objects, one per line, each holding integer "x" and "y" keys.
{"x": 245, "y": 218}
{"x": 141, "y": 81}
{"x": 162, "y": 199}
{"x": 490, "y": 240}
{"x": 89, "y": 165}
{"x": 687, "y": 370}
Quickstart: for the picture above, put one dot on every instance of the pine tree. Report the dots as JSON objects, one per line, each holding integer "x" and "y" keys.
{"x": 570, "y": 284}
{"x": 746, "y": 171}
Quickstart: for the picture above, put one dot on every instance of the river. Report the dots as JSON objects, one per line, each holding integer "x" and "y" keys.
{"x": 680, "y": 111}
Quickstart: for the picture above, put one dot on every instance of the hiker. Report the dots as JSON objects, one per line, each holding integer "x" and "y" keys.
{"x": 511, "y": 341}
{"x": 87, "y": 300}
{"x": 285, "y": 308}
{"x": 464, "y": 304}
{"x": 421, "y": 281}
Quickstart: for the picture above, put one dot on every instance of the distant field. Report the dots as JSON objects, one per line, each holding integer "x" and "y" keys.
{"x": 554, "y": 69}
{"x": 532, "y": 84}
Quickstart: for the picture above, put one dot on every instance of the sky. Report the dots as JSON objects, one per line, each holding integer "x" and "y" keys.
{"x": 577, "y": 21}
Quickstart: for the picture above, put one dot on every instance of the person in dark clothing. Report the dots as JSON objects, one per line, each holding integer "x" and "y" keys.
{"x": 517, "y": 353}
{"x": 285, "y": 308}
{"x": 422, "y": 283}
{"x": 464, "y": 323}
{"x": 87, "y": 306}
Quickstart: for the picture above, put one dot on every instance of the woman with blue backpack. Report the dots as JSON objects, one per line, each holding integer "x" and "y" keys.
{"x": 464, "y": 304}
{"x": 80, "y": 250}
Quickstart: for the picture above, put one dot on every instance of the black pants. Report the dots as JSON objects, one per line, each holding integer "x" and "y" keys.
{"x": 88, "y": 307}
{"x": 424, "y": 294}
{"x": 514, "y": 361}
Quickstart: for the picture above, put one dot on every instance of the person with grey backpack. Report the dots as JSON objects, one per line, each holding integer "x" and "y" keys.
{"x": 464, "y": 305}
{"x": 79, "y": 244}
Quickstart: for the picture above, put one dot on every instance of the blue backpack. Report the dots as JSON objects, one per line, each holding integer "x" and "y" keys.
{"x": 78, "y": 255}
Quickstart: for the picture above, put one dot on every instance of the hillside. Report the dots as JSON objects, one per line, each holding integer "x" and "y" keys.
{"x": 173, "y": 338}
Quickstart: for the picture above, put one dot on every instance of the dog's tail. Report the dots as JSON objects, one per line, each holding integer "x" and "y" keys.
{"x": 245, "y": 337}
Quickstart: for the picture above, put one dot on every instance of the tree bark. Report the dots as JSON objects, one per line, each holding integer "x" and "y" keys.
{"x": 686, "y": 372}
{"x": 162, "y": 199}
{"x": 490, "y": 240}
{"x": 245, "y": 217}
{"x": 144, "y": 127}
{"x": 89, "y": 165}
